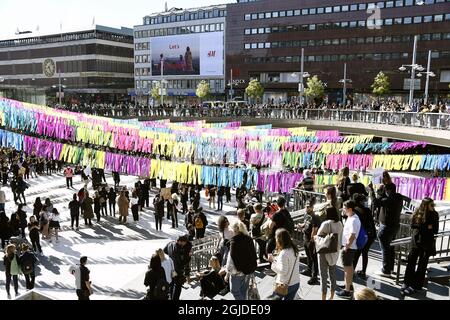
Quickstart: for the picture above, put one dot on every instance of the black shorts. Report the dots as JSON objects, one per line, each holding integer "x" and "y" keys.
{"x": 54, "y": 225}
{"x": 347, "y": 257}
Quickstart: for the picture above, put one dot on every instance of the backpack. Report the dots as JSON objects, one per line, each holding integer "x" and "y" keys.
{"x": 198, "y": 223}
{"x": 290, "y": 225}
{"x": 256, "y": 228}
{"x": 362, "y": 238}
{"x": 161, "y": 290}
{"x": 27, "y": 264}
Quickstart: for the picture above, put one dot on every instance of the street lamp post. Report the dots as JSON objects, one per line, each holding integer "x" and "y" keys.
{"x": 344, "y": 88}
{"x": 231, "y": 84}
{"x": 411, "y": 85}
{"x": 302, "y": 62}
{"x": 162, "y": 82}
{"x": 429, "y": 74}
{"x": 60, "y": 86}
{"x": 414, "y": 66}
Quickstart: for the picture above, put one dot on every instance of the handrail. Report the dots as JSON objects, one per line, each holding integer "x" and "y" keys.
{"x": 407, "y": 240}
{"x": 431, "y": 120}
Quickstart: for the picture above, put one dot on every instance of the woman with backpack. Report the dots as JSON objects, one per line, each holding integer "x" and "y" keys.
{"x": 285, "y": 264}
{"x": 155, "y": 279}
{"x": 327, "y": 261}
{"x": 54, "y": 224}
{"x": 12, "y": 269}
{"x": 200, "y": 223}
{"x": 368, "y": 223}
{"x": 424, "y": 226}
{"x": 241, "y": 262}
{"x": 27, "y": 261}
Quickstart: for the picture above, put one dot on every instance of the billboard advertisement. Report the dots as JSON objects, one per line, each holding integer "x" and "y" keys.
{"x": 199, "y": 54}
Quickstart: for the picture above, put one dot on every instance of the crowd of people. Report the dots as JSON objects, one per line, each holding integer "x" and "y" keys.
{"x": 344, "y": 227}
{"x": 268, "y": 109}
{"x": 261, "y": 233}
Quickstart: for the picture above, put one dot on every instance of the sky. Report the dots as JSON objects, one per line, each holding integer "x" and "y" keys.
{"x": 27, "y": 15}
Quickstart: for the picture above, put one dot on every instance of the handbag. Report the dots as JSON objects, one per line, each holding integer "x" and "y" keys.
{"x": 252, "y": 292}
{"x": 328, "y": 243}
{"x": 282, "y": 289}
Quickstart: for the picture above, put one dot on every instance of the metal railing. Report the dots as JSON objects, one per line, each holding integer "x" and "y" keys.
{"x": 410, "y": 119}
{"x": 302, "y": 196}
{"x": 402, "y": 244}
{"x": 202, "y": 251}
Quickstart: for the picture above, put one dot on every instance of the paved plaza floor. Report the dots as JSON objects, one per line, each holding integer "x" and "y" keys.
{"x": 119, "y": 254}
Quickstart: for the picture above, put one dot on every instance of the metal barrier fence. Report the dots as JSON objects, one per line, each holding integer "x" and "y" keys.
{"x": 302, "y": 196}
{"x": 410, "y": 119}
{"x": 202, "y": 251}
{"x": 402, "y": 244}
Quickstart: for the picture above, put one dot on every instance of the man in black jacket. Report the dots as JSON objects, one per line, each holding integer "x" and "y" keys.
{"x": 180, "y": 252}
{"x": 74, "y": 207}
{"x": 158, "y": 204}
{"x": 391, "y": 207}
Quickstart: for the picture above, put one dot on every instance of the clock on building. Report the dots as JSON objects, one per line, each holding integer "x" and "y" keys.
{"x": 49, "y": 67}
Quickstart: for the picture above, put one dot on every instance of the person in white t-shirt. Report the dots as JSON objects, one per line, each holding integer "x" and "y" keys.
{"x": 350, "y": 234}
{"x": 167, "y": 264}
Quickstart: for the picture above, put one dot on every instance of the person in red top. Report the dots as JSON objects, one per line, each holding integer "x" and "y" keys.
{"x": 68, "y": 173}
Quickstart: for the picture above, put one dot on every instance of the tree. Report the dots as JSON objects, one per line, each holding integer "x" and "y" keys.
{"x": 380, "y": 84}
{"x": 315, "y": 90}
{"x": 203, "y": 90}
{"x": 254, "y": 89}
{"x": 155, "y": 92}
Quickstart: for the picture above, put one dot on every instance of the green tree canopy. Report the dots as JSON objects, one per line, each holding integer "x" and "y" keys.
{"x": 380, "y": 84}
{"x": 203, "y": 90}
{"x": 155, "y": 92}
{"x": 254, "y": 89}
{"x": 315, "y": 89}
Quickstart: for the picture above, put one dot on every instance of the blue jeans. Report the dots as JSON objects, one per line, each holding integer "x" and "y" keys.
{"x": 386, "y": 234}
{"x": 239, "y": 286}
{"x": 292, "y": 291}
{"x": 2, "y": 207}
